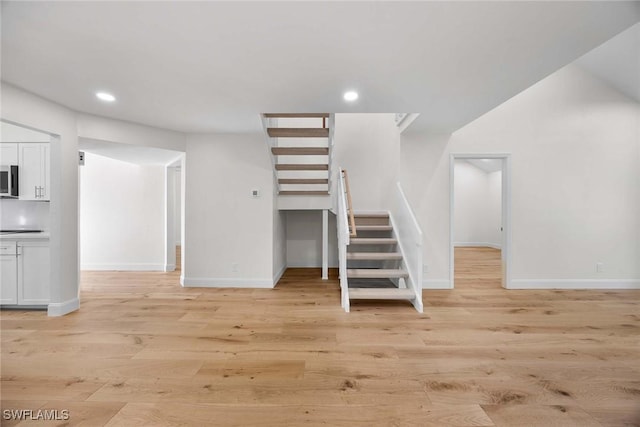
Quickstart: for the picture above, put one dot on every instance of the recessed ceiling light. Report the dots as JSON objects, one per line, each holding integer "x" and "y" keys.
{"x": 104, "y": 96}
{"x": 350, "y": 95}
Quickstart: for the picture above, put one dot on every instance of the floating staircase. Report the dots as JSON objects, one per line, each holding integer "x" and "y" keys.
{"x": 301, "y": 148}
{"x": 375, "y": 267}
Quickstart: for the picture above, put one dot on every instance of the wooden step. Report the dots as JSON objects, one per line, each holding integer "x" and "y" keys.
{"x": 373, "y": 241}
{"x": 371, "y": 214}
{"x": 303, "y": 181}
{"x": 373, "y": 227}
{"x": 300, "y": 151}
{"x": 375, "y": 273}
{"x": 298, "y": 132}
{"x": 303, "y": 193}
{"x": 373, "y": 256}
{"x": 382, "y": 293}
{"x": 297, "y": 115}
{"x": 301, "y": 167}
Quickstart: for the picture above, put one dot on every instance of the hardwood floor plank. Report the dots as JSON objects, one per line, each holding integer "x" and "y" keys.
{"x": 145, "y": 351}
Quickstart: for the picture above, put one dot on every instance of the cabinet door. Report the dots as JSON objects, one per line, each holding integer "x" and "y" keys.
{"x": 45, "y": 157}
{"x": 8, "y": 153}
{"x": 33, "y": 273}
{"x": 30, "y": 169}
{"x": 8, "y": 279}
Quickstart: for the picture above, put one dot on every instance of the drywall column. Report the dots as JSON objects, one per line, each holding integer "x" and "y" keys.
{"x": 325, "y": 244}
{"x": 169, "y": 224}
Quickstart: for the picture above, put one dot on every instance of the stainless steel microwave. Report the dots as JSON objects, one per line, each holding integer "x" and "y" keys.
{"x": 9, "y": 181}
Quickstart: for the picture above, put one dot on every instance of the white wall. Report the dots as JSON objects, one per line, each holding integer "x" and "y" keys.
{"x": 224, "y": 224}
{"x": 122, "y": 213}
{"x": 367, "y": 146}
{"x": 575, "y": 170}
{"x": 477, "y": 206}
{"x": 304, "y": 239}
{"x": 105, "y": 129}
{"x": 26, "y": 109}
{"x": 177, "y": 193}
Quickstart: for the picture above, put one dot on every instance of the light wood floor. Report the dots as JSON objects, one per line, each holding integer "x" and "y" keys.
{"x": 143, "y": 351}
{"x": 477, "y": 268}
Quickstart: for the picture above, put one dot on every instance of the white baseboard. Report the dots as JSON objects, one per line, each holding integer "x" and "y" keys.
{"x": 219, "y": 282}
{"x": 575, "y": 284}
{"x": 123, "y": 267}
{"x": 279, "y": 274}
{"x": 169, "y": 267}
{"x": 61, "y": 308}
{"x": 436, "y": 284}
{"x": 477, "y": 244}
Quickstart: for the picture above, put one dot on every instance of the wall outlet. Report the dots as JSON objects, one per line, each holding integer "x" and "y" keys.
{"x": 425, "y": 268}
{"x": 235, "y": 267}
{"x": 599, "y": 267}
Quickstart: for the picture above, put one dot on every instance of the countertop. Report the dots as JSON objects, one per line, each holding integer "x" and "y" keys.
{"x": 25, "y": 236}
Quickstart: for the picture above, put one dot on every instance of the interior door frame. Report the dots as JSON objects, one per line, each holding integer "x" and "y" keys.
{"x": 506, "y": 211}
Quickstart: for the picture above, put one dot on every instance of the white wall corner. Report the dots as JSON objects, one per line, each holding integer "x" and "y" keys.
{"x": 220, "y": 282}
{"x": 278, "y": 275}
{"x": 436, "y": 284}
{"x": 575, "y": 284}
{"x": 61, "y": 308}
{"x": 169, "y": 267}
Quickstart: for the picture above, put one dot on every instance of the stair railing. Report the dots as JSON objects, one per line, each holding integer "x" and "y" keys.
{"x": 409, "y": 235}
{"x": 346, "y": 226}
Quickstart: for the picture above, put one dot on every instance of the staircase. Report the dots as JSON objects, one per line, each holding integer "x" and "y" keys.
{"x": 301, "y": 152}
{"x": 374, "y": 262}
{"x": 374, "y": 255}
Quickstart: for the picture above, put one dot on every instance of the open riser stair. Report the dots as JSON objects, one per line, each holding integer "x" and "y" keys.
{"x": 301, "y": 148}
{"x": 375, "y": 267}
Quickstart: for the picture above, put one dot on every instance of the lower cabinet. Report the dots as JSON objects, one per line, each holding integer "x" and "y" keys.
{"x": 25, "y": 278}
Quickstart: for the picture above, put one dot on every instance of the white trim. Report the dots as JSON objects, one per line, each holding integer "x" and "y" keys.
{"x": 575, "y": 284}
{"x": 278, "y": 275}
{"x": 476, "y": 244}
{"x": 169, "y": 267}
{"x": 506, "y": 211}
{"x": 123, "y": 267}
{"x": 436, "y": 284}
{"x": 220, "y": 282}
{"x": 325, "y": 244}
{"x": 55, "y": 309}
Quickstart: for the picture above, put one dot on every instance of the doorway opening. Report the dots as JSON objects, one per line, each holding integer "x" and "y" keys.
{"x": 480, "y": 221}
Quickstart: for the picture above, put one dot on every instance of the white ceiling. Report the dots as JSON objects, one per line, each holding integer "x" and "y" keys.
{"x": 617, "y": 62}
{"x": 213, "y": 66}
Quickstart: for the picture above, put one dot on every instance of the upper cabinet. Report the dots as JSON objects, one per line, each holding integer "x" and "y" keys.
{"x": 8, "y": 154}
{"x": 33, "y": 170}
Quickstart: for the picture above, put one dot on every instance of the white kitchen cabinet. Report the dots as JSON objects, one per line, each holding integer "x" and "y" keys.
{"x": 33, "y": 273}
{"x": 33, "y": 170}
{"x": 8, "y": 273}
{"x": 24, "y": 272}
{"x": 8, "y": 153}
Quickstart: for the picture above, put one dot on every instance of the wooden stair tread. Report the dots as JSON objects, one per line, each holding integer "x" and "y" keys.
{"x": 373, "y": 241}
{"x": 301, "y": 167}
{"x": 382, "y": 293}
{"x": 300, "y": 151}
{"x": 371, "y": 214}
{"x": 303, "y": 193}
{"x": 303, "y": 181}
{"x": 373, "y": 227}
{"x": 372, "y": 256}
{"x": 297, "y": 115}
{"x": 298, "y": 132}
{"x": 374, "y": 273}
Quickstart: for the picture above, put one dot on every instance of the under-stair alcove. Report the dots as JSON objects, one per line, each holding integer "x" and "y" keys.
{"x": 304, "y": 231}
